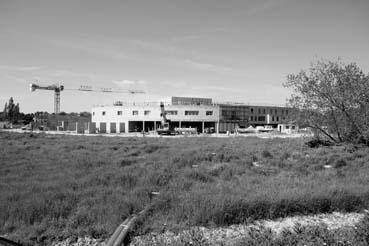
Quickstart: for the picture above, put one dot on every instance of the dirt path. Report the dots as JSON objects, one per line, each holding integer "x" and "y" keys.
{"x": 230, "y": 234}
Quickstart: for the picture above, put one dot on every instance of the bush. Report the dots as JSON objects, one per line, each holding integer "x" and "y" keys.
{"x": 340, "y": 163}
{"x": 266, "y": 154}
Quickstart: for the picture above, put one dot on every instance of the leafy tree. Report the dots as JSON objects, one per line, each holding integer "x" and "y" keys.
{"x": 11, "y": 111}
{"x": 4, "y": 112}
{"x": 333, "y": 99}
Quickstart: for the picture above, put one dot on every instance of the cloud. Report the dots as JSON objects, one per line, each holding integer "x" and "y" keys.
{"x": 17, "y": 79}
{"x": 267, "y": 5}
{"x": 220, "y": 69}
{"x": 97, "y": 47}
{"x": 19, "y": 68}
{"x": 185, "y": 38}
{"x": 126, "y": 82}
{"x": 133, "y": 85}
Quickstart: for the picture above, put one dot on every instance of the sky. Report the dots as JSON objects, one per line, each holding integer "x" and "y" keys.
{"x": 239, "y": 51}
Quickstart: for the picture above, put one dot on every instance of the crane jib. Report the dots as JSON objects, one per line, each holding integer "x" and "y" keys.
{"x": 58, "y": 88}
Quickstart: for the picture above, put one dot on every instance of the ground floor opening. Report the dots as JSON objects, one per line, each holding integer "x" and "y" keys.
{"x": 148, "y": 126}
{"x": 135, "y": 126}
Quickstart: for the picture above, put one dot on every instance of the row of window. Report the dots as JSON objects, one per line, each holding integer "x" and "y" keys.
{"x": 264, "y": 111}
{"x": 262, "y": 118}
{"x": 169, "y": 112}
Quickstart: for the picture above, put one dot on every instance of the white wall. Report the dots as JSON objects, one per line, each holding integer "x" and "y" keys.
{"x": 111, "y": 114}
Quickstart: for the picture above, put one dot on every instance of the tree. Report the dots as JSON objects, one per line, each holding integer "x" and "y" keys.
{"x": 333, "y": 99}
{"x": 11, "y": 111}
{"x": 5, "y": 111}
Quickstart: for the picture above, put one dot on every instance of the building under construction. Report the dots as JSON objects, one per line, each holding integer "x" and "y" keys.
{"x": 200, "y": 113}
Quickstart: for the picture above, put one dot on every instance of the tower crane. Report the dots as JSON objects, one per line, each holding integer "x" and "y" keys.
{"x": 58, "y": 88}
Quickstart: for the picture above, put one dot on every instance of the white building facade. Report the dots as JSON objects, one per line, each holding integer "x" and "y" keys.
{"x": 198, "y": 113}
{"x": 147, "y": 117}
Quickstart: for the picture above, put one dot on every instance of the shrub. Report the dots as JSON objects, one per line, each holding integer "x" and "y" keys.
{"x": 266, "y": 154}
{"x": 340, "y": 163}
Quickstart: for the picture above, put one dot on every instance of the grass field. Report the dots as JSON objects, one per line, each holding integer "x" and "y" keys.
{"x": 54, "y": 187}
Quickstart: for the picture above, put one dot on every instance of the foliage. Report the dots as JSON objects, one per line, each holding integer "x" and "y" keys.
{"x": 332, "y": 98}
{"x": 11, "y": 111}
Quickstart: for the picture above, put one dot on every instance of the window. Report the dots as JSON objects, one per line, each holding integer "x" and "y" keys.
{"x": 252, "y": 110}
{"x": 264, "y": 111}
{"x": 286, "y": 111}
{"x": 171, "y": 112}
{"x": 259, "y": 110}
{"x": 287, "y": 127}
{"x": 119, "y": 112}
{"x": 293, "y": 127}
{"x": 277, "y": 118}
{"x": 135, "y": 112}
{"x": 272, "y": 118}
{"x": 209, "y": 112}
{"x": 252, "y": 118}
{"x": 275, "y": 111}
{"x": 191, "y": 112}
{"x": 93, "y": 113}
{"x": 103, "y": 112}
{"x": 147, "y": 112}
{"x": 261, "y": 118}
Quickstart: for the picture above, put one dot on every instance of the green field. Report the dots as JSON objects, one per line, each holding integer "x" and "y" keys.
{"x": 55, "y": 187}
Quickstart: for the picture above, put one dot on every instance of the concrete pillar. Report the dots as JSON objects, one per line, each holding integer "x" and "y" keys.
{"x": 155, "y": 126}
{"x": 180, "y": 124}
{"x": 126, "y": 126}
{"x": 217, "y": 127}
{"x": 143, "y": 125}
{"x": 108, "y": 130}
{"x": 203, "y": 127}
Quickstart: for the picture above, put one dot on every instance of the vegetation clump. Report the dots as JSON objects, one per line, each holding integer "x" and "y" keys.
{"x": 331, "y": 97}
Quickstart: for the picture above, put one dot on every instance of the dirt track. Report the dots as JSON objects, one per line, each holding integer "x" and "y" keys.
{"x": 230, "y": 235}
{"x": 154, "y": 135}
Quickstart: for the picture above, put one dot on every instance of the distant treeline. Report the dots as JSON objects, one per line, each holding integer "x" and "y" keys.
{"x": 12, "y": 114}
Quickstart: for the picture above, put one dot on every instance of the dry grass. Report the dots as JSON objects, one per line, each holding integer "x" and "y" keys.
{"x": 54, "y": 187}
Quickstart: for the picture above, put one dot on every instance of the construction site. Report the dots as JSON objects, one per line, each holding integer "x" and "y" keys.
{"x": 188, "y": 115}
{"x": 176, "y": 116}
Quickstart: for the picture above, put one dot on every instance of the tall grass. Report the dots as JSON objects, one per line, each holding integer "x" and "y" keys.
{"x": 54, "y": 187}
